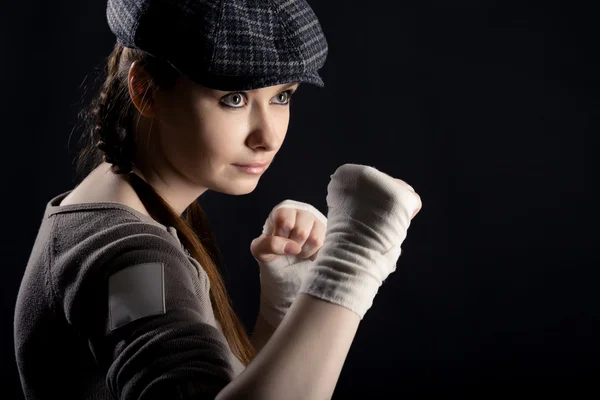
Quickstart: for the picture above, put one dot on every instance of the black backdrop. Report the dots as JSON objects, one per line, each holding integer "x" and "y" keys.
{"x": 487, "y": 108}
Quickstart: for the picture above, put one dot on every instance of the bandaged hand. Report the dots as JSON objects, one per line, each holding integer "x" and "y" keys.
{"x": 300, "y": 227}
{"x": 369, "y": 213}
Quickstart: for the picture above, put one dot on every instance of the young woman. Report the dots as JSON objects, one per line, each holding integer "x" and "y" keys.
{"x": 122, "y": 296}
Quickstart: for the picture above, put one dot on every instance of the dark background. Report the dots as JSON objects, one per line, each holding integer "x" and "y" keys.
{"x": 487, "y": 108}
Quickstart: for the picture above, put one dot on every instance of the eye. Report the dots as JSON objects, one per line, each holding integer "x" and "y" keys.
{"x": 285, "y": 97}
{"x": 236, "y": 100}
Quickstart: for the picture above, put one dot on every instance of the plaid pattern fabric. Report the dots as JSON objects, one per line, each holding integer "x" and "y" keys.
{"x": 226, "y": 44}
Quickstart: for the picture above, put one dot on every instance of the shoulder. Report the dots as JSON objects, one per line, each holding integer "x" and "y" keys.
{"x": 99, "y": 229}
{"x": 89, "y": 246}
{"x": 112, "y": 252}
{"x": 104, "y": 187}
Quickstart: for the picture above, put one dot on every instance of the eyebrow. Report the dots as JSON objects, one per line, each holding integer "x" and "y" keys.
{"x": 283, "y": 89}
{"x": 291, "y": 85}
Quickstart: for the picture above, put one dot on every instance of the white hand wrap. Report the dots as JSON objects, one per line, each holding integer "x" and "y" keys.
{"x": 369, "y": 213}
{"x": 281, "y": 278}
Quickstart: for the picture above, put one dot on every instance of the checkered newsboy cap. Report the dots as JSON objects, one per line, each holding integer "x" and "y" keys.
{"x": 226, "y": 44}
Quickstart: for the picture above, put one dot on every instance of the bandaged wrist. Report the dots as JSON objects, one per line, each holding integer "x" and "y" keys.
{"x": 369, "y": 214}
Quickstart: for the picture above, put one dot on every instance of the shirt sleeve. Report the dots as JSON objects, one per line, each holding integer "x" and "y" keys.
{"x": 145, "y": 311}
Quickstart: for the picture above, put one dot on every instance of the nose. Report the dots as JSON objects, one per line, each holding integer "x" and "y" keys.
{"x": 267, "y": 129}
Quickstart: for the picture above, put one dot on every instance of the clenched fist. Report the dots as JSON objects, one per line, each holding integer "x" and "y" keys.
{"x": 291, "y": 239}
{"x": 290, "y": 229}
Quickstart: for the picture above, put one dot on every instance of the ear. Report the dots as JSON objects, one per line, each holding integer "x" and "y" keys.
{"x": 141, "y": 90}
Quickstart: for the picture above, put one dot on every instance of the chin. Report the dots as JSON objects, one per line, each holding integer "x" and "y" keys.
{"x": 234, "y": 189}
{"x": 241, "y": 192}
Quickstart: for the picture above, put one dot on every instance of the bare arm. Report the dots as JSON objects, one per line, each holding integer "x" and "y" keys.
{"x": 262, "y": 333}
{"x": 304, "y": 357}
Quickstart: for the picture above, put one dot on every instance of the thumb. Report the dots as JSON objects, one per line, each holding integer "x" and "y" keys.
{"x": 266, "y": 248}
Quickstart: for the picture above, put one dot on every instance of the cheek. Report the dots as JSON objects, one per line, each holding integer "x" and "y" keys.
{"x": 222, "y": 135}
{"x": 285, "y": 122}
{"x": 205, "y": 137}
{"x": 177, "y": 116}
{"x": 179, "y": 130}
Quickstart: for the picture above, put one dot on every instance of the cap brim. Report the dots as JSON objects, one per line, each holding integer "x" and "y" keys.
{"x": 230, "y": 83}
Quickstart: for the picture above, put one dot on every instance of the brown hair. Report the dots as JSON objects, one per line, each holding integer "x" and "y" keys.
{"x": 108, "y": 137}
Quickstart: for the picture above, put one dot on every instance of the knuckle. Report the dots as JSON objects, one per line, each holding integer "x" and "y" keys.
{"x": 286, "y": 226}
{"x": 282, "y": 213}
{"x": 283, "y": 220}
{"x": 314, "y": 240}
{"x": 301, "y": 234}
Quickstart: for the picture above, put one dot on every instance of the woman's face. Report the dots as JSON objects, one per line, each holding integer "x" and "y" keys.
{"x": 202, "y": 133}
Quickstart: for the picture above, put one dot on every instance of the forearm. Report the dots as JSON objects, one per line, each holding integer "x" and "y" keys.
{"x": 262, "y": 333}
{"x": 303, "y": 359}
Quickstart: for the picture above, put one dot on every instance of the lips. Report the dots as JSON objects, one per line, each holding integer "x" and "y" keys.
{"x": 255, "y": 164}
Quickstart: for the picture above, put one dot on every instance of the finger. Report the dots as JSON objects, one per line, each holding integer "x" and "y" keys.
{"x": 303, "y": 227}
{"x": 314, "y": 241}
{"x": 284, "y": 220}
{"x": 266, "y": 248}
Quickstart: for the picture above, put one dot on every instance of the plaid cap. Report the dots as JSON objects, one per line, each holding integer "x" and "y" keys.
{"x": 226, "y": 44}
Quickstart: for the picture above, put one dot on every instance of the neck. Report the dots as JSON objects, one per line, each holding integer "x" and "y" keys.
{"x": 174, "y": 188}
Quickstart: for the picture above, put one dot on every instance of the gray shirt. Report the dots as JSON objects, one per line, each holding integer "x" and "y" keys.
{"x": 111, "y": 306}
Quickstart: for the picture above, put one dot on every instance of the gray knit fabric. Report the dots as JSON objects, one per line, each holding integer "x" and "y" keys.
{"x": 82, "y": 331}
{"x": 226, "y": 44}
